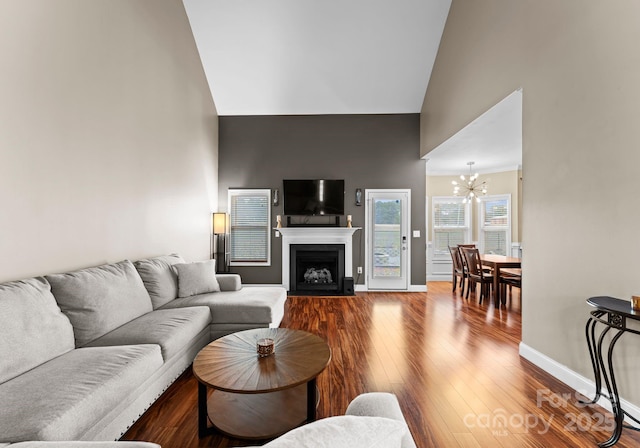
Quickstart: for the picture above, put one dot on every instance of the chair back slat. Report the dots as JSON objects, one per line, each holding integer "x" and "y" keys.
{"x": 474, "y": 265}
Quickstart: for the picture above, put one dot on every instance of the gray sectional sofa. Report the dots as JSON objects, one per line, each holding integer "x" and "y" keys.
{"x": 83, "y": 354}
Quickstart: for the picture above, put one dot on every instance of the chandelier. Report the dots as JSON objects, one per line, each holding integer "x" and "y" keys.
{"x": 470, "y": 188}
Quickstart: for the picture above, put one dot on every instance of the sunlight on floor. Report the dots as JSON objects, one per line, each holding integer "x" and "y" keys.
{"x": 388, "y": 346}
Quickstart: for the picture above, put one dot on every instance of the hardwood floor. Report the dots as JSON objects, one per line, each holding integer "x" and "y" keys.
{"x": 453, "y": 364}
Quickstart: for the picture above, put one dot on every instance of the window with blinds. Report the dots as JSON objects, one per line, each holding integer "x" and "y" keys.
{"x": 450, "y": 218}
{"x": 250, "y": 215}
{"x": 495, "y": 224}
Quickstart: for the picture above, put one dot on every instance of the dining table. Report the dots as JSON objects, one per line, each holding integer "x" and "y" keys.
{"x": 497, "y": 262}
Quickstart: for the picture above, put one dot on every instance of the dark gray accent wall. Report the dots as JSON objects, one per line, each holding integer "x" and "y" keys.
{"x": 367, "y": 151}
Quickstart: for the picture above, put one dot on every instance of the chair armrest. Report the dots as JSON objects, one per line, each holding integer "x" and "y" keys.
{"x": 380, "y": 404}
{"x": 229, "y": 282}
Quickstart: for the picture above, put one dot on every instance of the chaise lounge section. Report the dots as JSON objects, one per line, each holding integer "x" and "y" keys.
{"x": 234, "y": 307}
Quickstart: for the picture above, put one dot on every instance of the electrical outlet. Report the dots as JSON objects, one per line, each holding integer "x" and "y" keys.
{"x": 359, "y": 269}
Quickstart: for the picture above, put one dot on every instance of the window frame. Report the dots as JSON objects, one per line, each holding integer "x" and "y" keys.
{"x": 235, "y": 192}
{"x": 435, "y": 200}
{"x": 482, "y": 228}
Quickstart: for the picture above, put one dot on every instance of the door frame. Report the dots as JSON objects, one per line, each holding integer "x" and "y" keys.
{"x": 368, "y": 229}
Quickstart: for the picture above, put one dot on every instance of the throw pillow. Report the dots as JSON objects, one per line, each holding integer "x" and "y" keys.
{"x": 346, "y": 431}
{"x": 196, "y": 278}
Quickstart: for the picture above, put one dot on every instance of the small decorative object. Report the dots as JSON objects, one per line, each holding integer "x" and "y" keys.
{"x": 266, "y": 347}
{"x": 278, "y": 222}
{"x": 349, "y": 221}
{"x": 635, "y": 303}
{"x": 276, "y": 197}
{"x": 358, "y": 196}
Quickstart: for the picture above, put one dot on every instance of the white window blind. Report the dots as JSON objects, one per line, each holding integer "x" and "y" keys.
{"x": 495, "y": 224}
{"x": 250, "y": 215}
{"x": 450, "y": 223}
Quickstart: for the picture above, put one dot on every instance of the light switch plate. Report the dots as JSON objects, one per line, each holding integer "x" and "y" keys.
{"x": 416, "y": 234}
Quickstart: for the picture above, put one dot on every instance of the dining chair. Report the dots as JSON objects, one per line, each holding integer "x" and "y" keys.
{"x": 510, "y": 277}
{"x": 465, "y": 269}
{"x": 476, "y": 273}
{"x": 458, "y": 269}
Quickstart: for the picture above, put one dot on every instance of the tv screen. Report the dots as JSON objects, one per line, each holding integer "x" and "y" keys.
{"x": 313, "y": 197}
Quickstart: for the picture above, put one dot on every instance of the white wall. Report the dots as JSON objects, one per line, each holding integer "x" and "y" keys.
{"x": 108, "y": 135}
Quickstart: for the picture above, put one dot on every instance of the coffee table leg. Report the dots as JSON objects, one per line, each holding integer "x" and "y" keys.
{"x": 203, "y": 427}
{"x": 312, "y": 400}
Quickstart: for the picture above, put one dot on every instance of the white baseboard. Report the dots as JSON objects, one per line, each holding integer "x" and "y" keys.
{"x": 412, "y": 288}
{"x": 573, "y": 379}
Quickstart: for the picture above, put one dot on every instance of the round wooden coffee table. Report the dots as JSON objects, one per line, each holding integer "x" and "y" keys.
{"x": 259, "y": 398}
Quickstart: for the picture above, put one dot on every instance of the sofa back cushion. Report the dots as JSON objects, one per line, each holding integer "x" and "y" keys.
{"x": 33, "y": 330}
{"x": 160, "y": 278}
{"x": 100, "y": 299}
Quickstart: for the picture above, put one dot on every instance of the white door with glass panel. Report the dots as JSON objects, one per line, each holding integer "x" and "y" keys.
{"x": 387, "y": 233}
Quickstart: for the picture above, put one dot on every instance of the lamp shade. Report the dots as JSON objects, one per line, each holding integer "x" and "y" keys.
{"x": 219, "y": 223}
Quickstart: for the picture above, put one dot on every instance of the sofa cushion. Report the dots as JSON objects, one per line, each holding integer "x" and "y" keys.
{"x": 33, "y": 330}
{"x": 251, "y": 304}
{"x": 100, "y": 299}
{"x": 344, "y": 432}
{"x": 197, "y": 278}
{"x": 172, "y": 330}
{"x": 159, "y": 277}
{"x": 63, "y": 398}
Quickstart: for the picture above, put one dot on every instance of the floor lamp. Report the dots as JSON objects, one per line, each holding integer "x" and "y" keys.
{"x": 221, "y": 248}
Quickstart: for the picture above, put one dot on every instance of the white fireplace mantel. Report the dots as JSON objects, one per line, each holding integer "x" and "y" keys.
{"x": 316, "y": 235}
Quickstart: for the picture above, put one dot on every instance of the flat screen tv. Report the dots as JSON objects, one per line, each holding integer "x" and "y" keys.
{"x": 313, "y": 197}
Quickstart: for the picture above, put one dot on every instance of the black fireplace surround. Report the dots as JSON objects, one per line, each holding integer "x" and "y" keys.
{"x": 316, "y": 269}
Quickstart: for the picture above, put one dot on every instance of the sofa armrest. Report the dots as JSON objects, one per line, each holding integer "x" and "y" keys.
{"x": 380, "y": 404}
{"x": 229, "y": 282}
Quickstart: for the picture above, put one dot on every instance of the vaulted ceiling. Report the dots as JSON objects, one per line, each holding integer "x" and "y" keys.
{"x": 301, "y": 57}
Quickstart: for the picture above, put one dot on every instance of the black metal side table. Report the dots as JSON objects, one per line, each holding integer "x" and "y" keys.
{"x": 613, "y": 313}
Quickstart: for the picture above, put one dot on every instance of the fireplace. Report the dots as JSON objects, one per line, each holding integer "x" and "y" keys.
{"x": 316, "y": 268}
{"x": 342, "y": 236}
